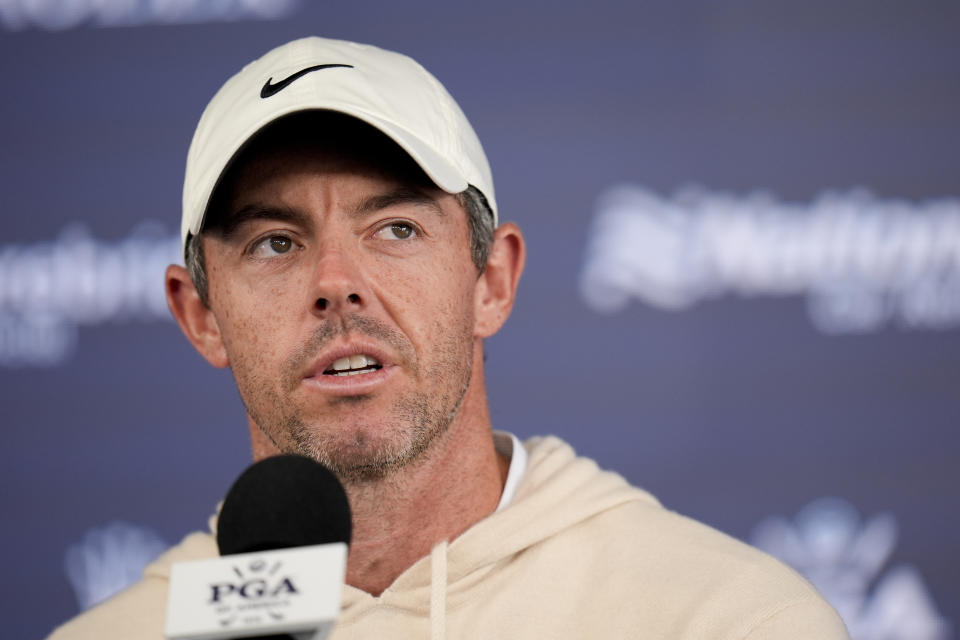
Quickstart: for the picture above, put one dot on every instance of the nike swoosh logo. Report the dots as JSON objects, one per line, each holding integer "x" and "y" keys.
{"x": 270, "y": 89}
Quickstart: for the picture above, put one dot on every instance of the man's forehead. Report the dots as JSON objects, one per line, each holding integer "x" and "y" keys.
{"x": 307, "y": 157}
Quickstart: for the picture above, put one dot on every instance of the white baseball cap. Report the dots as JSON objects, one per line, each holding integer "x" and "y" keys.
{"x": 387, "y": 90}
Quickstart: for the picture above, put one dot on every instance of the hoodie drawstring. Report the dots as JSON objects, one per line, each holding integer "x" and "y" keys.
{"x": 438, "y": 592}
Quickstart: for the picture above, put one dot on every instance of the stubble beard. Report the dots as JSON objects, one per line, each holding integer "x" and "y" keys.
{"x": 367, "y": 451}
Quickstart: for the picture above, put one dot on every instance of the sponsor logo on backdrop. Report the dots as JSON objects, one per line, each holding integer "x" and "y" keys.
{"x": 109, "y": 559}
{"x": 49, "y": 289}
{"x": 845, "y": 559}
{"x": 58, "y": 15}
{"x": 862, "y": 263}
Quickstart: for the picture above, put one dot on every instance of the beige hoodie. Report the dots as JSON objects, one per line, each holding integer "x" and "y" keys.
{"x": 579, "y": 553}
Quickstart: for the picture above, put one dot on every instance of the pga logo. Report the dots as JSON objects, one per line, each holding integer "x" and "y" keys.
{"x": 257, "y": 593}
{"x": 257, "y": 588}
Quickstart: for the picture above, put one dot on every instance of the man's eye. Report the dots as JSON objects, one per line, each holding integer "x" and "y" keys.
{"x": 272, "y": 246}
{"x": 397, "y": 231}
{"x": 280, "y": 244}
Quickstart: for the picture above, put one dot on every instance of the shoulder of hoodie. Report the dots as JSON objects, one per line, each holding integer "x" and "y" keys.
{"x": 638, "y": 548}
{"x": 138, "y": 612}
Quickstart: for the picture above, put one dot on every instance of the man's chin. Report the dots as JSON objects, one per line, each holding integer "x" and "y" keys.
{"x": 374, "y": 444}
{"x": 364, "y": 457}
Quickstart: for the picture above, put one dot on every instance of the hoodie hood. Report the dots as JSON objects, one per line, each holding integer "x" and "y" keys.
{"x": 558, "y": 491}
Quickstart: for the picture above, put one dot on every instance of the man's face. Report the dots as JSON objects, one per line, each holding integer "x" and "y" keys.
{"x": 344, "y": 296}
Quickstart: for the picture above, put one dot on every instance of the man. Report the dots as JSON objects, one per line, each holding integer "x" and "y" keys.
{"x": 344, "y": 260}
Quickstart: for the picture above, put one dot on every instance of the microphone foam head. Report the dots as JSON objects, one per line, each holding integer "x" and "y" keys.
{"x": 281, "y": 502}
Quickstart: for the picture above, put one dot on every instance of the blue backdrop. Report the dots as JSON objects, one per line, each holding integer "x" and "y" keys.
{"x": 741, "y": 293}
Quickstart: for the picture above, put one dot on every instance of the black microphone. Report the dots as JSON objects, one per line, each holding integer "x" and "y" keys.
{"x": 283, "y": 533}
{"x": 282, "y": 502}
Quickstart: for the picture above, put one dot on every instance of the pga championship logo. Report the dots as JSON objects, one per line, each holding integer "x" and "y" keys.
{"x": 257, "y": 592}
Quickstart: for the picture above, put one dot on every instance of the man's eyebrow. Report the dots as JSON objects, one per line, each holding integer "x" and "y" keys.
{"x": 248, "y": 213}
{"x": 400, "y": 195}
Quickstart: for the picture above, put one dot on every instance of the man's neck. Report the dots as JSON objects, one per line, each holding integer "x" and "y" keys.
{"x": 398, "y": 520}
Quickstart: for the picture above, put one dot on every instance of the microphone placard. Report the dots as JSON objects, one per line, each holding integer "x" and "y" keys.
{"x": 293, "y": 591}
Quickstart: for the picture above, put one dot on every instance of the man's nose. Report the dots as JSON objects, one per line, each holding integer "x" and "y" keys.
{"x": 339, "y": 283}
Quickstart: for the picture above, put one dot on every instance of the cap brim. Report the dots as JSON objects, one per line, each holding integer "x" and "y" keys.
{"x": 435, "y": 166}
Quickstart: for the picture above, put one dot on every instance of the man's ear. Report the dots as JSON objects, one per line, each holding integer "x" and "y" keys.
{"x": 497, "y": 285}
{"x": 196, "y": 320}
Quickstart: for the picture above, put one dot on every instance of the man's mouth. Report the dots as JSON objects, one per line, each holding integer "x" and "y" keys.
{"x": 353, "y": 365}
